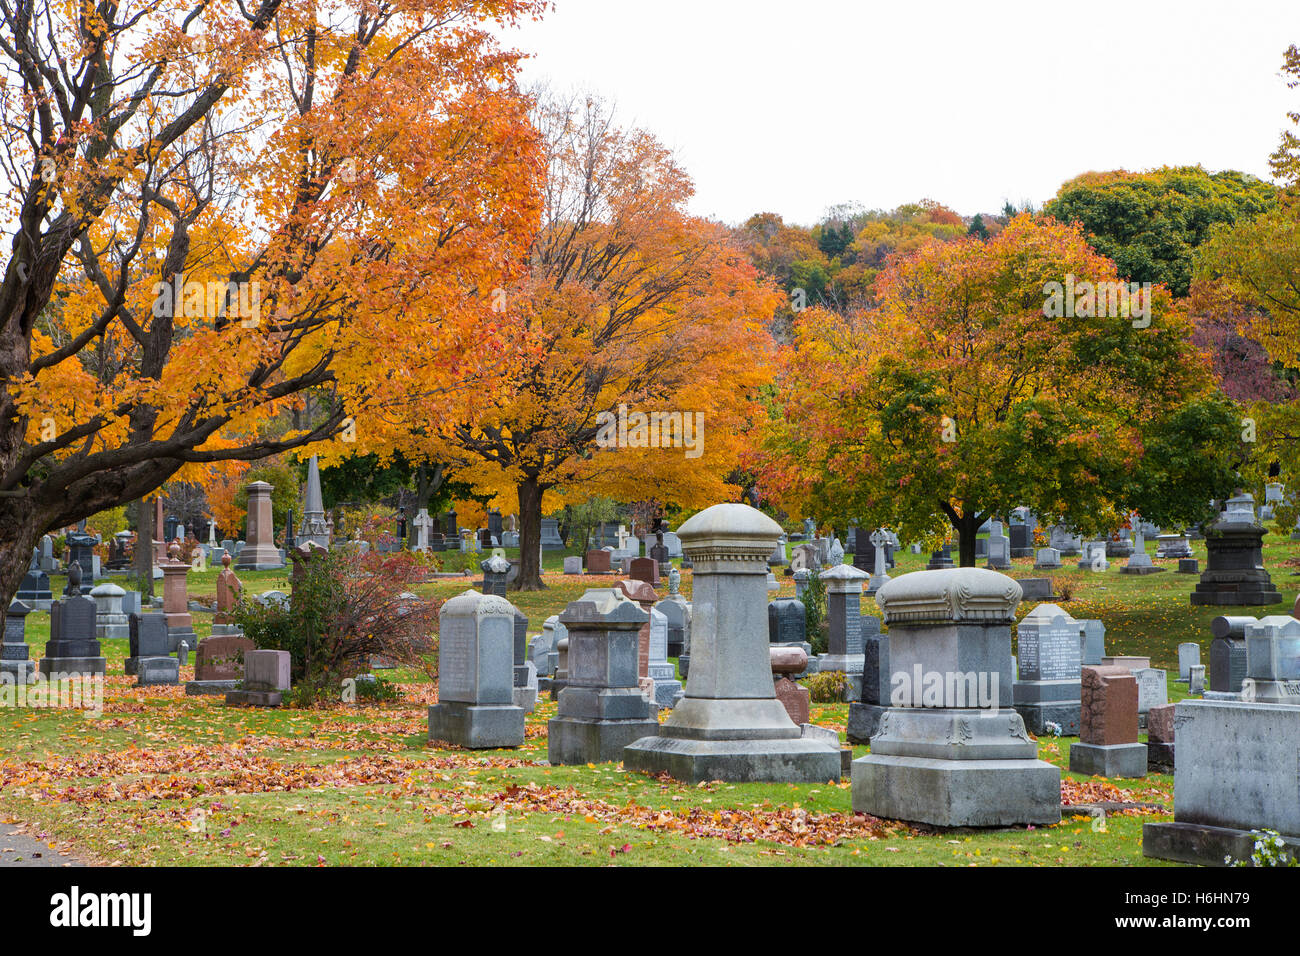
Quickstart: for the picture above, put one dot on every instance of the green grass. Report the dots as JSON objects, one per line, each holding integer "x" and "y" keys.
{"x": 160, "y": 778}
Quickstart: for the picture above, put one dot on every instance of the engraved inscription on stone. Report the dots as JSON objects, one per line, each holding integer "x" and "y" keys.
{"x": 456, "y": 659}
{"x": 853, "y": 624}
{"x": 1050, "y": 653}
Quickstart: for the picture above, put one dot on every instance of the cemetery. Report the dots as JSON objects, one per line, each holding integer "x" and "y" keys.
{"x": 504, "y": 502}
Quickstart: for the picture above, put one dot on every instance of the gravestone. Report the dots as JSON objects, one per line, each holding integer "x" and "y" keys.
{"x": 151, "y": 661}
{"x": 678, "y": 613}
{"x": 110, "y": 620}
{"x": 644, "y": 595}
{"x": 1189, "y": 566}
{"x": 787, "y": 621}
{"x": 1036, "y": 589}
{"x": 16, "y": 667}
{"x": 999, "y": 548}
{"x": 730, "y": 726}
{"x": 844, "y": 617}
{"x": 423, "y": 525}
{"x": 1153, "y": 690}
{"x": 879, "y": 576}
{"x": 865, "y": 714}
{"x": 805, "y": 557}
{"x": 938, "y": 559}
{"x": 551, "y": 540}
{"x": 34, "y": 590}
{"x": 786, "y": 663}
{"x": 495, "y": 569}
{"x": 219, "y": 664}
{"x": 938, "y": 756}
{"x": 73, "y": 650}
{"x": 1093, "y": 556}
{"x": 1049, "y": 655}
{"x": 259, "y": 552}
{"x": 645, "y": 569}
{"x": 1064, "y": 541}
{"x": 1272, "y": 661}
{"x": 147, "y": 634}
{"x": 48, "y": 564}
{"x": 1108, "y": 733}
{"x": 667, "y": 688}
{"x": 1160, "y": 739}
{"x": 539, "y": 651}
{"x": 1139, "y": 562}
{"x": 1196, "y": 681}
{"x": 1047, "y": 559}
{"x": 1173, "y": 546}
{"x": 81, "y": 549}
{"x": 1092, "y": 641}
{"x": 1235, "y": 774}
{"x": 1120, "y": 544}
{"x": 525, "y": 673}
{"x": 1189, "y": 655}
{"x": 1228, "y": 653}
{"x": 1234, "y": 567}
{"x": 602, "y": 709}
{"x": 1022, "y": 540}
{"x": 266, "y": 678}
{"x": 598, "y": 562}
{"x": 180, "y": 626}
{"x": 476, "y": 708}
{"x": 777, "y": 557}
{"x": 801, "y": 578}
{"x": 573, "y": 564}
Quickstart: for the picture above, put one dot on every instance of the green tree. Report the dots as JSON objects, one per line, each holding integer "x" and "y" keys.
{"x": 1151, "y": 223}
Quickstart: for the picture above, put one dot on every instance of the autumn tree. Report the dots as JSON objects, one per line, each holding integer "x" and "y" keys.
{"x": 966, "y": 394}
{"x": 630, "y": 308}
{"x": 220, "y": 209}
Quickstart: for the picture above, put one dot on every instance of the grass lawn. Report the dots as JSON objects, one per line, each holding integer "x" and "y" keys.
{"x": 160, "y": 778}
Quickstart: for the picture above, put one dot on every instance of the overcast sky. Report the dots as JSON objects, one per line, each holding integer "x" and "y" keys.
{"x": 791, "y": 106}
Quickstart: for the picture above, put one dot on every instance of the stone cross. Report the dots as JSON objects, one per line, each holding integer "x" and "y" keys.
{"x": 423, "y": 524}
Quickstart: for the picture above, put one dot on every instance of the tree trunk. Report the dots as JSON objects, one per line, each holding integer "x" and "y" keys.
{"x": 530, "y": 536}
{"x": 144, "y": 548}
{"x": 967, "y": 526}
{"x": 16, "y": 525}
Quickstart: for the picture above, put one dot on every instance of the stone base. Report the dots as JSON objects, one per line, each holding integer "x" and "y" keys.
{"x": 157, "y": 671}
{"x": 1202, "y": 844}
{"x": 1140, "y": 569}
{"x": 1160, "y": 758}
{"x": 1109, "y": 760}
{"x": 200, "y": 688}
{"x": 17, "y": 672}
{"x": 579, "y": 740}
{"x": 1037, "y": 715}
{"x": 739, "y": 761}
{"x": 74, "y": 666}
{"x": 558, "y": 684}
{"x": 864, "y": 721}
{"x": 1243, "y": 597}
{"x": 254, "y": 698}
{"x": 957, "y": 793}
{"x": 476, "y": 726}
{"x": 668, "y": 692}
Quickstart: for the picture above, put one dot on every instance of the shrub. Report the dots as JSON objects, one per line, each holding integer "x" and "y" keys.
{"x": 1270, "y": 850}
{"x": 815, "y": 616}
{"x": 345, "y": 609}
{"x": 828, "y": 687}
{"x": 1064, "y": 590}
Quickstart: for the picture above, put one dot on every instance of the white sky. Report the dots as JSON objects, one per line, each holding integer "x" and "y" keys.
{"x": 791, "y": 106}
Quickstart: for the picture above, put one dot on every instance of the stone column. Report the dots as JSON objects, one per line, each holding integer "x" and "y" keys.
{"x": 730, "y": 726}
{"x": 176, "y": 601}
{"x": 844, "y": 609}
{"x": 260, "y": 552}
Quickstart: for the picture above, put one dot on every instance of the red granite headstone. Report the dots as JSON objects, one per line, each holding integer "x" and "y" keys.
{"x": 645, "y": 569}
{"x": 1109, "y": 713}
{"x": 598, "y": 562}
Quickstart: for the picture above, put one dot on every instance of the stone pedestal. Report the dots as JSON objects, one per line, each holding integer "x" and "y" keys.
{"x": 1234, "y": 568}
{"x": 951, "y": 752}
{"x": 730, "y": 726}
{"x": 219, "y": 663}
{"x": 259, "y": 552}
{"x": 180, "y": 626}
{"x": 110, "y": 621}
{"x": 601, "y": 710}
{"x": 266, "y": 677}
{"x": 844, "y": 610}
{"x": 476, "y": 706}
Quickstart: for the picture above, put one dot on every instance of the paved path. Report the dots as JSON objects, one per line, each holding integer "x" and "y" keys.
{"x": 21, "y": 849}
